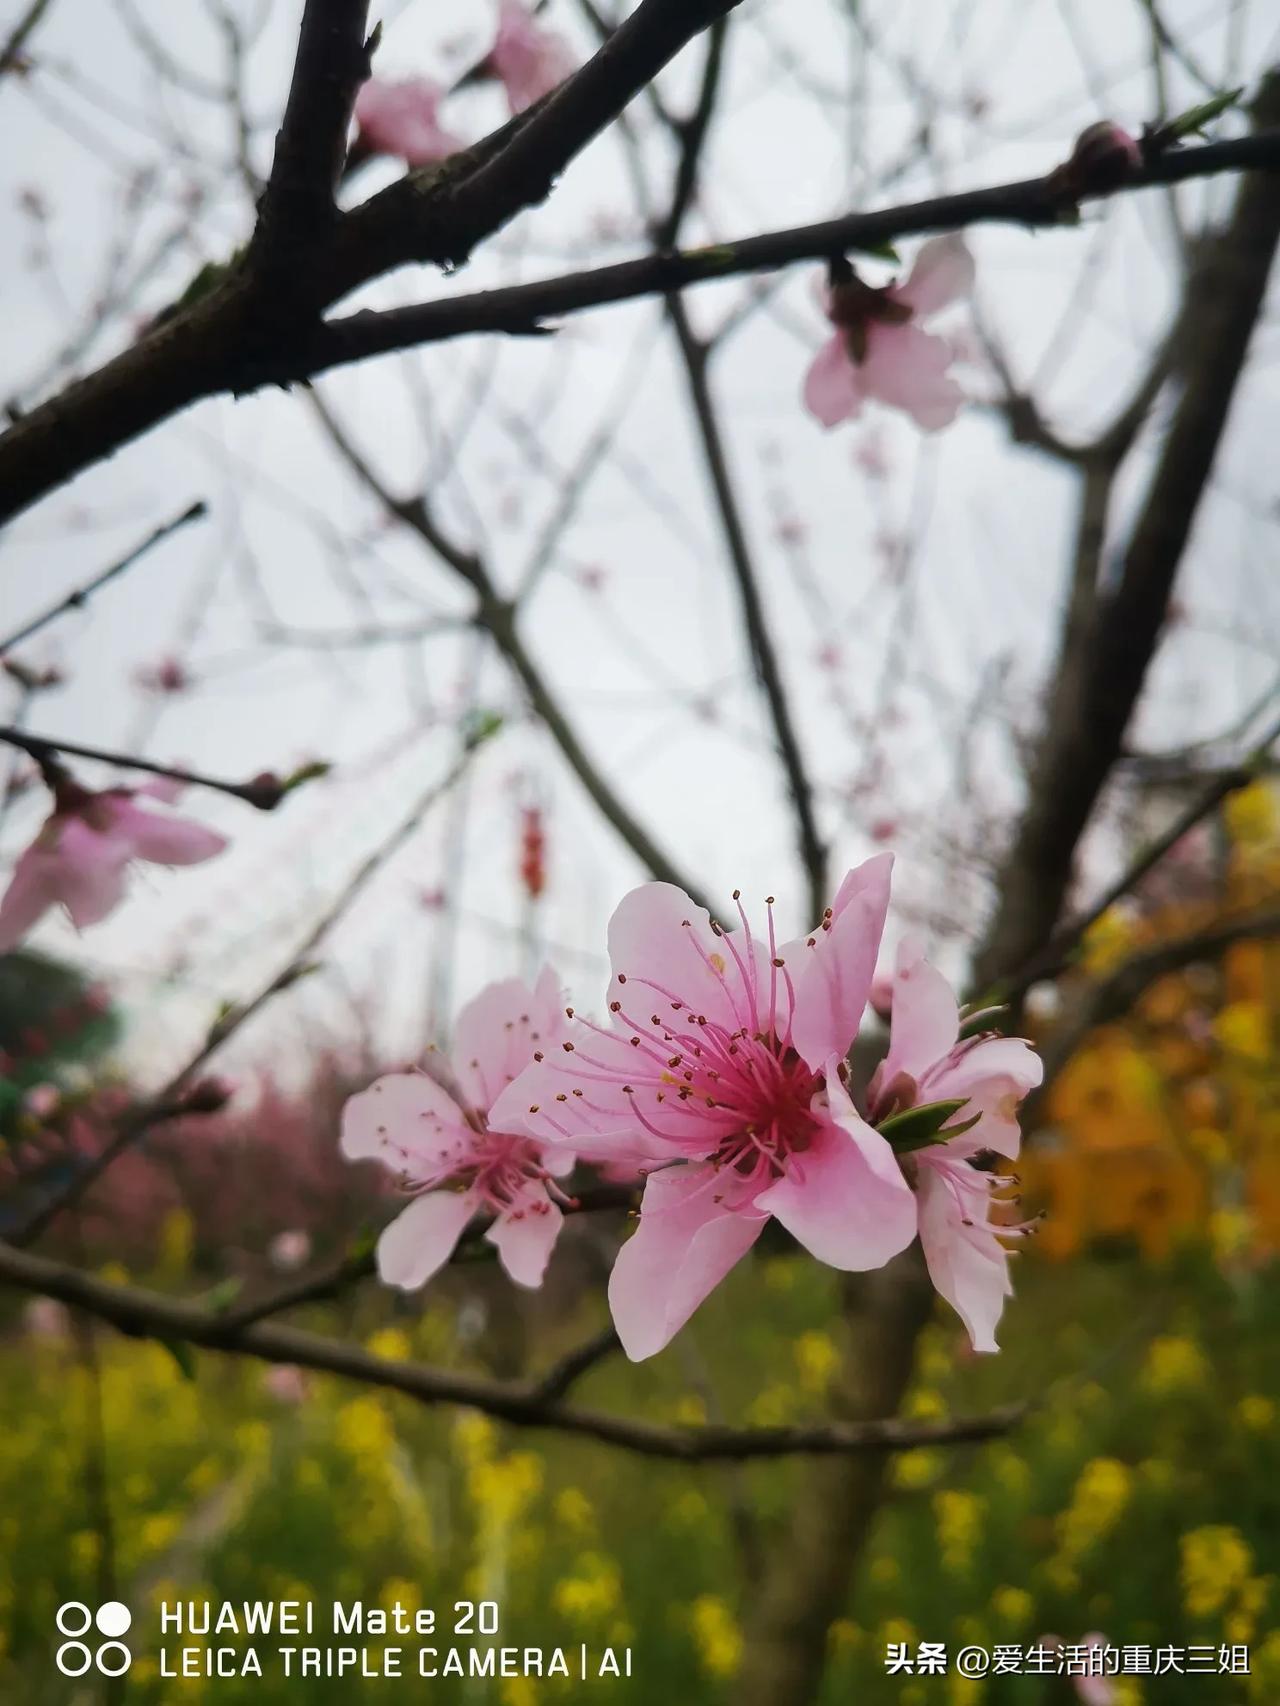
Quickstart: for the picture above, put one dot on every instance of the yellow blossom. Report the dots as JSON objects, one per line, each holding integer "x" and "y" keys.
{"x": 1013, "y": 1606}
{"x": 959, "y": 1516}
{"x": 1250, "y": 814}
{"x": 1216, "y": 1561}
{"x": 574, "y": 1512}
{"x": 816, "y": 1359}
{"x": 716, "y": 1635}
{"x": 1256, "y": 1413}
{"x": 391, "y": 1344}
{"x": 1097, "y": 1503}
{"x": 1174, "y": 1364}
{"x": 591, "y": 1595}
{"x": 915, "y": 1469}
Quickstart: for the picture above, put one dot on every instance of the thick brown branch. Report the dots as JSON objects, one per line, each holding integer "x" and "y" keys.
{"x": 146, "y": 1314}
{"x": 297, "y": 213}
{"x": 206, "y": 348}
{"x": 1032, "y": 203}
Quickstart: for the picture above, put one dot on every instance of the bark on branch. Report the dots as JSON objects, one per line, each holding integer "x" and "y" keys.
{"x": 148, "y": 1315}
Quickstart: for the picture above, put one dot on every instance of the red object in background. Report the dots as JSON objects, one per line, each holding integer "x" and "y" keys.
{"x": 533, "y": 851}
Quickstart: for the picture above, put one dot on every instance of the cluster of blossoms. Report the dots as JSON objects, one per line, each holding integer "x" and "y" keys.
{"x": 402, "y": 119}
{"x": 721, "y": 1078}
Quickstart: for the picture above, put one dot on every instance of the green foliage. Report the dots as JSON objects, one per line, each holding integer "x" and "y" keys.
{"x": 1142, "y": 1499}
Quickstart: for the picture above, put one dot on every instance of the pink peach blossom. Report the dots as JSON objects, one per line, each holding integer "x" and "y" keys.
{"x": 454, "y": 1155}
{"x": 879, "y": 348}
{"x": 528, "y": 59}
{"x": 402, "y": 119}
{"x": 80, "y": 858}
{"x": 926, "y": 1063}
{"x": 723, "y": 1068}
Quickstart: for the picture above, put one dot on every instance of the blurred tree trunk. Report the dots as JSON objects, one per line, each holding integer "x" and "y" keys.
{"x": 807, "y": 1577}
{"x": 1110, "y": 634}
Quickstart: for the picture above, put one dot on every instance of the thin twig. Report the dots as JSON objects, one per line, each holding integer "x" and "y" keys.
{"x": 263, "y": 792}
{"x": 1058, "y": 951}
{"x": 80, "y": 597}
{"x": 299, "y": 964}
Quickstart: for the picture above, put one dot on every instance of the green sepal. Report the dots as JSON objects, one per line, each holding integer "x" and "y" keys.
{"x": 925, "y": 1125}
{"x": 1193, "y": 121}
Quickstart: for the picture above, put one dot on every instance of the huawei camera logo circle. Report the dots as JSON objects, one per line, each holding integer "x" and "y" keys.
{"x": 74, "y": 1657}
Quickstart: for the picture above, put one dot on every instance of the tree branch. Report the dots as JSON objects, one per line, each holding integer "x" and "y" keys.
{"x": 146, "y": 1114}
{"x": 264, "y": 792}
{"x": 1033, "y": 203}
{"x": 297, "y": 213}
{"x": 80, "y": 597}
{"x": 497, "y": 616}
{"x": 205, "y": 349}
{"x": 1100, "y": 679}
{"x": 1058, "y": 950}
{"x": 1104, "y": 1002}
{"x": 146, "y": 1314}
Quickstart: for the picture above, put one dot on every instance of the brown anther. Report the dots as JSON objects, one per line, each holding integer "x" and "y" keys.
{"x": 561, "y": 1097}
{"x": 615, "y": 1006}
{"x": 567, "y": 1047}
{"x": 538, "y": 1055}
{"x": 779, "y": 962}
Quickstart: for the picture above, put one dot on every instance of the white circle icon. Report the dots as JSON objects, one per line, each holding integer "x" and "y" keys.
{"x": 69, "y": 1615}
{"x": 113, "y": 1619}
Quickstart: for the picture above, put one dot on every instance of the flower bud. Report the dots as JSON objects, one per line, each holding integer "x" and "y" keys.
{"x": 1104, "y": 157}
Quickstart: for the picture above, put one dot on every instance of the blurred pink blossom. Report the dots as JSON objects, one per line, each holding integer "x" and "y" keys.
{"x": 290, "y": 1250}
{"x": 869, "y": 454}
{"x": 80, "y": 858}
{"x": 45, "y": 1318}
{"x": 879, "y": 348}
{"x": 402, "y": 119}
{"x": 42, "y": 1101}
{"x": 529, "y": 59}
{"x": 286, "y": 1384}
{"x": 723, "y": 1068}
{"x": 165, "y": 675}
{"x": 454, "y": 1154}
